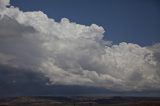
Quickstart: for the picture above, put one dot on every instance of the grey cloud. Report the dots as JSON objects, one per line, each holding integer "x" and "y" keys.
{"x": 16, "y": 45}
{"x": 11, "y": 28}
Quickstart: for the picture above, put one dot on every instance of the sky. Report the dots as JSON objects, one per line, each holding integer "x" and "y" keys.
{"x": 135, "y": 21}
{"x": 55, "y": 47}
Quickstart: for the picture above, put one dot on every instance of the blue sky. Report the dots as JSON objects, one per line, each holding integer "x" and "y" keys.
{"x": 135, "y": 21}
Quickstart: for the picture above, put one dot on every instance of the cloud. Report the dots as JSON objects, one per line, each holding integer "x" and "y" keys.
{"x": 72, "y": 54}
{"x": 4, "y": 3}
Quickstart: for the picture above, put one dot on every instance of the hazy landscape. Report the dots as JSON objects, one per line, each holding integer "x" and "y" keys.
{"x": 79, "y": 101}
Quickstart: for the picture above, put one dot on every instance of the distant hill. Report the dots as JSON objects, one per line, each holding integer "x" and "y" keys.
{"x": 79, "y": 101}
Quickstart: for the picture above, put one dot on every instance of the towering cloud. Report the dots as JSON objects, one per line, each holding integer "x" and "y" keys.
{"x": 72, "y": 54}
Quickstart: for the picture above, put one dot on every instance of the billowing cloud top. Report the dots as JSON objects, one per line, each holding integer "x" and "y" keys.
{"x": 72, "y": 54}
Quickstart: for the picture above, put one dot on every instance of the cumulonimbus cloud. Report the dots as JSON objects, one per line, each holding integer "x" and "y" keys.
{"x": 72, "y": 54}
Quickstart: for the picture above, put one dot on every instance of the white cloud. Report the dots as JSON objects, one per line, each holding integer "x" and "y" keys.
{"x": 72, "y": 54}
{"x": 4, "y": 3}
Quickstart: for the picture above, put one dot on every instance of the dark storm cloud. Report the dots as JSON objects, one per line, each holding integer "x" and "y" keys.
{"x": 20, "y": 82}
{"x": 17, "y": 82}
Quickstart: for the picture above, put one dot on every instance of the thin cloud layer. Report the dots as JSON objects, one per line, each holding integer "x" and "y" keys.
{"x": 72, "y": 54}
